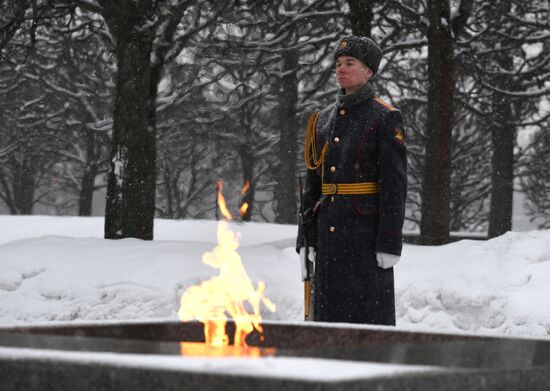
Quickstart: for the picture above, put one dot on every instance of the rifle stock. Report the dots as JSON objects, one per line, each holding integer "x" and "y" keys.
{"x": 309, "y": 294}
{"x": 309, "y": 286}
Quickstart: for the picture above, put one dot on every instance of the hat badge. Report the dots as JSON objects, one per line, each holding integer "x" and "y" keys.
{"x": 343, "y": 44}
{"x": 398, "y": 135}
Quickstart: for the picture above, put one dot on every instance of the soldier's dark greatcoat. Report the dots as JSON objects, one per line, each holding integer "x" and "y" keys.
{"x": 366, "y": 144}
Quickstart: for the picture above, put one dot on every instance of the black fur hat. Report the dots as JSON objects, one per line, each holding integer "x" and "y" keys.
{"x": 362, "y": 48}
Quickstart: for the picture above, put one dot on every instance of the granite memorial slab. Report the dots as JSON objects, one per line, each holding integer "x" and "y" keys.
{"x": 125, "y": 356}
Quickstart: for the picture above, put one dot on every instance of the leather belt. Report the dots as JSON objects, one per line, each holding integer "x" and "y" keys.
{"x": 350, "y": 188}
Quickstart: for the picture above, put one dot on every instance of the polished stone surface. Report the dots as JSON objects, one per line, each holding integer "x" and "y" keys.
{"x": 44, "y": 376}
{"x": 281, "y": 335}
{"x": 498, "y": 354}
{"x": 465, "y": 362}
{"x": 486, "y": 354}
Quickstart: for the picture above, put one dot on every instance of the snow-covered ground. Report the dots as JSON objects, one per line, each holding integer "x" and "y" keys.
{"x": 56, "y": 269}
{"x": 308, "y": 369}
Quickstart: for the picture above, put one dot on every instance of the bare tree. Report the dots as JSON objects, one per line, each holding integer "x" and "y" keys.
{"x": 434, "y": 227}
{"x": 535, "y": 179}
{"x": 29, "y": 119}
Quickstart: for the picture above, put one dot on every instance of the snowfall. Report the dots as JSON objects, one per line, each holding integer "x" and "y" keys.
{"x": 55, "y": 270}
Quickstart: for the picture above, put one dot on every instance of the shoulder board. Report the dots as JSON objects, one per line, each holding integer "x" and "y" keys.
{"x": 386, "y": 105}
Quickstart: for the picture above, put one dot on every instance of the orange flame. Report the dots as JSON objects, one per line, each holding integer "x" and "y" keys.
{"x": 243, "y": 208}
{"x": 221, "y": 202}
{"x": 225, "y": 294}
{"x": 200, "y": 349}
{"x": 245, "y": 188}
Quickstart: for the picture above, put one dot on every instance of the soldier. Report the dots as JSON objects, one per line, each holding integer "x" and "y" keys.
{"x": 354, "y": 197}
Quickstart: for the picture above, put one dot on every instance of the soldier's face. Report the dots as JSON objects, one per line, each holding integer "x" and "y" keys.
{"x": 351, "y": 73}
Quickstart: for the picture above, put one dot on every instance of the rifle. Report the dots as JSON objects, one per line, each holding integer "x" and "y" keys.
{"x": 309, "y": 283}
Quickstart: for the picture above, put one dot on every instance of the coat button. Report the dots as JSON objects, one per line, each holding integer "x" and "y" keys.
{"x": 336, "y": 139}
{"x": 332, "y": 169}
{"x": 332, "y": 229}
{"x": 332, "y": 199}
{"x": 342, "y": 112}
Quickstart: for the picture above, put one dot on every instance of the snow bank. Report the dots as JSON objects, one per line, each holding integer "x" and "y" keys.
{"x": 497, "y": 286}
{"x": 493, "y": 287}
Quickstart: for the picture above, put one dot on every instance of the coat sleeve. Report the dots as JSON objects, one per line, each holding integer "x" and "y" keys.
{"x": 307, "y": 229}
{"x": 392, "y": 182}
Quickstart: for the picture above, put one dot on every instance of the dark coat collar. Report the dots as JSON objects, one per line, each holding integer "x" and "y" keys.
{"x": 359, "y": 96}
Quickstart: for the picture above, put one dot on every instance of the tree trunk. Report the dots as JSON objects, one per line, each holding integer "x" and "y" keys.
{"x": 130, "y": 205}
{"x": 87, "y": 186}
{"x": 361, "y": 17}
{"x": 434, "y": 226}
{"x": 87, "y": 183}
{"x": 6, "y": 195}
{"x": 502, "y": 177}
{"x": 24, "y": 187}
{"x": 286, "y": 201}
{"x": 170, "y": 188}
{"x": 503, "y": 135}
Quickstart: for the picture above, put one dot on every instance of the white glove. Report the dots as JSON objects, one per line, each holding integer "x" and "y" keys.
{"x": 385, "y": 260}
{"x": 311, "y": 257}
